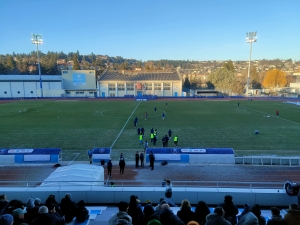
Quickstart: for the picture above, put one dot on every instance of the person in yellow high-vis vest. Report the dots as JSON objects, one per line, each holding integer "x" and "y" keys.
{"x": 141, "y": 139}
{"x": 151, "y": 137}
{"x": 176, "y": 140}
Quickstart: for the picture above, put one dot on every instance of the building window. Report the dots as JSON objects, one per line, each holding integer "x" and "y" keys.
{"x": 167, "y": 88}
{"x": 121, "y": 87}
{"x": 148, "y": 86}
{"x": 157, "y": 86}
{"x": 111, "y": 87}
{"x": 130, "y": 86}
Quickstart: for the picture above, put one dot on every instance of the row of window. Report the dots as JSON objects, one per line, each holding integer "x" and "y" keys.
{"x": 145, "y": 84}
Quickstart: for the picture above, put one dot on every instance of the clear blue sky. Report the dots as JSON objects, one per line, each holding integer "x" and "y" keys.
{"x": 153, "y": 30}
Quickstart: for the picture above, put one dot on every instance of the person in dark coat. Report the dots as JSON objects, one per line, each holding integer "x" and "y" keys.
{"x": 255, "y": 209}
{"x": 151, "y": 159}
{"x": 230, "y": 209}
{"x": 45, "y": 218}
{"x": 122, "y": 165}
{"x": 68, "y": 208}
{"x": 11, "y": 206}
{"x": 167, "y": 217}
{"x": 148, "y": 211}
{"x": 135, "y": 121}
{"x": 82, "y": 214}
{"x": 201, "y": 211}
{"x": 217, "y": 217}
{"x": 51, "y": 200}
{"x": 185, "y": 213}
{"x": 142, "y": 158}
{"x": 170, "y": 133}
{"x": 135, "y": 210}
{"x": 166, "y": 140}
{"x": 109, "y": 167}
{"x": 31, "y": 212}
{"x": 276, "y": 218}
{"x": 137, "y": 159}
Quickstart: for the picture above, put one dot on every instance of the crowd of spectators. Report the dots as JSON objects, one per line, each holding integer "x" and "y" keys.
{"x": 225, "y": 213}
{"x": 15, "y": 212}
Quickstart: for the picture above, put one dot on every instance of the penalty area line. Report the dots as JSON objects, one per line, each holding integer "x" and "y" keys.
{"x": 124, "y": 125}
{"x": 77, "y": 154}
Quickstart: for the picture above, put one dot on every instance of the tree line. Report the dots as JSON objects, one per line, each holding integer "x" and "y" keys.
{"x": 226, "y": 80}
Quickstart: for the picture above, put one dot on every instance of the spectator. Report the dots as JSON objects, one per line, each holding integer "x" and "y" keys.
{"x": 193, "y": 223}
{"x": 245, "y": 211}
{"x": 201, "y": 211}
{"x": 154, "y": 222}
{"x": 293, "y": 214}
{"x": 217, "y": 217}
{"x": 148, "y": 211}
{"x": 248, "y": 219}
{"x": 168, "y": 193}
{"x": 123, "y": 208}
{"x": 135, "y": 210}
{"x": 51, "y": 200}
{"x": 45, "y": 218}
{"x": 161, "y": 202}
{"x": 3, "y": 202}
{"x": 82, "y": 214}
{"x": 230, "y": 209}
{"x": 256, "y": 211}
{"x": 18, "y": 215}
{"x": 185, "y": 213}
{"x": 276, "y": 218}
{"x": 123, "y": 221}
{"x": 11, "y": 206}
{"x": 68, "y": 208}
{"x": 6, "y": 219}
{"x": 167, "y": 217}
{"x": 31, "y": 213}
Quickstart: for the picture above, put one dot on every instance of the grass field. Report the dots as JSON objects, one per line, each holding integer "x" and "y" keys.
{"x": 79, "y": 125}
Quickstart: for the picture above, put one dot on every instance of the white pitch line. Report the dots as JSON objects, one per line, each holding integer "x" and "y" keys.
{"x": 273, "y": 116}
{"x": 74, "y": 158}
{"x": 124, "y": 126}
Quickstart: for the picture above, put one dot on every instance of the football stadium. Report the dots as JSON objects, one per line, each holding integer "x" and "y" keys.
{"x": 243, "y": 147}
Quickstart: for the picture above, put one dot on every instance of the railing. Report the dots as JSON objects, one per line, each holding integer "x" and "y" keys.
{"x": 144, "y": 183}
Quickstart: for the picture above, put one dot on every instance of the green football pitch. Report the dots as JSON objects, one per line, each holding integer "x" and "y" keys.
{"x": 79, "y": 125}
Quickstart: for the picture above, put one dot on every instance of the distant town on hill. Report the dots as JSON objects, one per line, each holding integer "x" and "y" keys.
{"x": 198, "y": 73}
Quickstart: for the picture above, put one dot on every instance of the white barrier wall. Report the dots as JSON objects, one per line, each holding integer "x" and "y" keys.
{"x": 110, "y": 195}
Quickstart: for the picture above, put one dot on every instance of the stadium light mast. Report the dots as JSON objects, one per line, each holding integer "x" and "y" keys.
{"x": 251, "y": 37}
{"x": 37, "y": 39}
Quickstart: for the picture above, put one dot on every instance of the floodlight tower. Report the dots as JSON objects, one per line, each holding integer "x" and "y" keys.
{"x": 251, "y": 37}
{"x": 37, "y": 39}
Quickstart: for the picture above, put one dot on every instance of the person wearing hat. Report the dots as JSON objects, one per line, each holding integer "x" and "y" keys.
{"x": 123, "y": 208}
{"x": 18, "y": 215}
{"x": 154, "y": 222}
{"x": 6, "y": 219}
{"x": 230, "y": 209}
